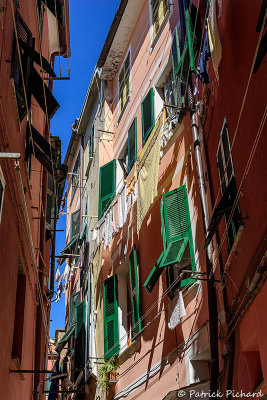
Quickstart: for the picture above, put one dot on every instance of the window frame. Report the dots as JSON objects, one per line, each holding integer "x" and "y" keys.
{"x": 224, "y": 183}
{"x": 75, "y": 177}
{"x": 153, "y": 11}
{"x": 122, "y": 107}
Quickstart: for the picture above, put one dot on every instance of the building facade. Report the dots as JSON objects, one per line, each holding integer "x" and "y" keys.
{"x": 170, "y": 253}
{"x": 32, "y": 178}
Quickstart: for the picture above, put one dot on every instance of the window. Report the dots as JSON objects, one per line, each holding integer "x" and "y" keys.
{"x": 2, "y": 190}
{"x": 124, "y": 84}
{"x": 19, "y": 314}
{"x": 126, "y": 317}
{"x": 159, "y": 11}
{"x": 228, "y": 185}
{"x": 107, "y": 186}
{"x": 111, "y": 331}
{"x": 91, "y": 142}
{"x": 148, "y": 114}
{"x": 178, "y": 250}
{"x": 75, "y": 177}
{"x": 132, "y": 145}
{"x": 134, "y": 293}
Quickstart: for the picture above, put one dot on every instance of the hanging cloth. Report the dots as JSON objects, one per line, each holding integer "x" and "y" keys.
{"x": 205, "y": 55}
{"x": 176, "y": 311}
{"x": 214, "y": 39}
{"x": 147, "y": 183}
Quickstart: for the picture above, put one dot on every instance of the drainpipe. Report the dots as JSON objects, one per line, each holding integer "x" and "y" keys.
{"x": 212, "y": 299}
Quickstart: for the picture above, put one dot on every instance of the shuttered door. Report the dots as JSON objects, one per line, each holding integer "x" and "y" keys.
{"x": 79, "y": 347}
{"x": 132, "y": 145}
{"x": 177, "y": 226}
{"x": 134, "y": 283}
{"x": 148, "y": 114}
{"x": 107, "y": 189}
{"x": 111, "y": 329}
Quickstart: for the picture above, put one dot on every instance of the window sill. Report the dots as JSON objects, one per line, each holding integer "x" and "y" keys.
{"x": 157, "y": 35}
{"x": 129, "y": 351}
{"x": 234, "y": 249}
{"x": 190, "y": 293}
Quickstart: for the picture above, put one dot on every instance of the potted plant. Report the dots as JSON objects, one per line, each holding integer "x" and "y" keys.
{"x": 106, "y": 373}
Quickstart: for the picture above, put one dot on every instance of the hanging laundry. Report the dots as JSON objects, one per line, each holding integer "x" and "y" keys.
{"x": 131, "y": 179}
{"x": 148, "y": 177}
{"x": 59, "y": 292}
{"x": 214, "y": 39}
{"x": 176, "y": 311}
{"x": 95, "y": 232}
{"x": 220, "y": 7}
{"x": 122, "y": 207}
{"x": 204, "y": 57}
{"x": 115, "y": 209}
{"x": 54, "y": 387}
{"x": 108, "y": 232}
{"x": 57, "y": 275}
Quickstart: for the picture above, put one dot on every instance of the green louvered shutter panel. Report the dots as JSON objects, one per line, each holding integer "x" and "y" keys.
{"x": 176, "y": 57}
{"x": 73, "y": 303}
{"x": 107, "y": 188}
{"x": 79, "y": 347}
{"x": 111, "y": 328}
{"x": 148, "y": 114}
{"x": 134, "y": 286}
{"x": 132, "y": 145}
{"x": 75, "y": 224}
{"x": 177, "y": 226}
{"x": 154, "y": 275}
{"x": 190, "y": 52}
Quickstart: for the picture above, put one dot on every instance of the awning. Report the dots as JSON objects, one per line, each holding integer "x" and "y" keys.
{"x": 37, "y": 89}
{"x": 225, "y": 203}
{"x": 35, "y": 56}
{"x": 65, "y": 338}
{"x": 69, "y": 245}
{"x": 192, "y": 391}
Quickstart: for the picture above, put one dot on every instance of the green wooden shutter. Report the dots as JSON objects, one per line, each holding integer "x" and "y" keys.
{"x": 79, "y": 347}
{"x": 189, "y": 55}
{"x": 176, "y": 57}
{"x": 134, "y": 286}
{"x": 73, "y": 303}
{"x": 107, "y": 186}
{"x": 132, "y": 145}
{"x": 111, "y": 328}
{"x": 75, "y": 224}
{"x": 154, "y": 275}
{"x": 177, "y": 226}
{"x": 148, "y": 114}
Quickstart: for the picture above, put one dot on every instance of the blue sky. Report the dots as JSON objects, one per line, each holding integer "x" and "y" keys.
{"x": 89, "y": 24}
